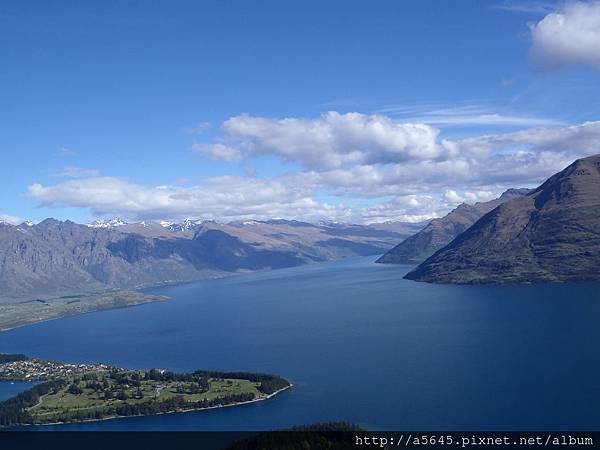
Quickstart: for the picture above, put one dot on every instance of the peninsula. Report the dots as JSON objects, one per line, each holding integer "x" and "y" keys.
{"x": 87, "y": 392}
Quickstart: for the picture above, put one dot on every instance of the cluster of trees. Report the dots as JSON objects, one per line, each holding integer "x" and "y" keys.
{"x": 195, "y": 387}
{"x": 166, "y": 376}
{"x": 13, "y": 411}
{"x": 75, "y": 389}
{"x": 268, "y": 383}
{"x": 178, "y": 403}
{"x": 274, "y": 384}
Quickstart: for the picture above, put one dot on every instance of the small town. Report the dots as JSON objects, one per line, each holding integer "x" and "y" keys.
{"x": 35, "y": 369}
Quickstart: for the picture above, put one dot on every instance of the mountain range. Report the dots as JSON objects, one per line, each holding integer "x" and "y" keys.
{"x": 55, "y": 258}
{"x": 440, "y": 232}
{"x": 550, "y": 234}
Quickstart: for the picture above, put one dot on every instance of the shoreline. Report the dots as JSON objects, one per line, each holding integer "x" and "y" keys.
{"x": 181, "y": 411}
{"x": 143, "y": 299}
{"x": 142, "y": 290}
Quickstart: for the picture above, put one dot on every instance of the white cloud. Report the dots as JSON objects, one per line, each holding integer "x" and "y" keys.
{"x": 76, "y": 172}
{"x": 218, "y": 151}
{"x": 333, "y": 140}
{"x": 570, "y": 36}
{"x": 12, "y": 220}
{"x": 407, "y": 208}
{"x": 469, "y": 197}
{"x": 523, "y": 6}
{"x": 487, "y": 119}
{"x": 227, "y": 198}
{"x": 219, "y": 197}
{"x": 534, "y": 152}
{"x": 466, "y": 115}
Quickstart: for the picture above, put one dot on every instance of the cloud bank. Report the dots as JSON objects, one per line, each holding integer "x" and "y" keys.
{"x": 353, "y": 167}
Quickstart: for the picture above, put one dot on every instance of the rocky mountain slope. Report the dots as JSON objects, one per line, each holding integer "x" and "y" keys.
{"x": 440, "y": 232}
{"x": 551, "y": 234}
{"x": 54, "y": 258}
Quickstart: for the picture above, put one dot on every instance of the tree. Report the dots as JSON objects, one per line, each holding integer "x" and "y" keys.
{"x": 75, "y": 389}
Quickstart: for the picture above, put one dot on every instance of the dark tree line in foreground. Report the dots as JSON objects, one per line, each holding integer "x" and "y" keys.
{"x": 319, "y": 436}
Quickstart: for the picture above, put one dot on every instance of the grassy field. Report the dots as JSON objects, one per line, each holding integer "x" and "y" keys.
{"x": 83, "y": 398}
{"x": 18, "y": 312}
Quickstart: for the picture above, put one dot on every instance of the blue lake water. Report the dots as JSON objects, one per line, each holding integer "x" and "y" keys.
{"x": 360, "y": 344}
{"x": 9, "y": 389}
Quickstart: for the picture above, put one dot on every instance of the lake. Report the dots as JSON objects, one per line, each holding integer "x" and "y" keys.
{"x": 360, "y": 344}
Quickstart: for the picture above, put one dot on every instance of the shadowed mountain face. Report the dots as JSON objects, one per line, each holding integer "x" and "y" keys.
{"x": 440, "y": 232}
{"x": 55, "y": 258}
{"x": 551, "y": 234}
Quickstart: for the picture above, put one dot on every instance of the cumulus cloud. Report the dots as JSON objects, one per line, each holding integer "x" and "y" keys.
{"x": 218, "y": 151}
{"x": 227, "y": 198}
{"x": 219, "y": 197}
{"x": 570, "y": 36}
{"x": 406, "y": 208}
{"x": 333, "y": 140}
{"x": 481, "y": 163}
{"x": 469, "y": 197}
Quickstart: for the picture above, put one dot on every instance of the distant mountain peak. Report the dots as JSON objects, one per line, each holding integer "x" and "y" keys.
{"x": 107, "y": 223}
{"x": 186, "y": 224}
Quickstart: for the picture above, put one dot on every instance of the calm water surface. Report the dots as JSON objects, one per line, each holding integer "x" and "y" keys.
{"x": 360, "y": 344}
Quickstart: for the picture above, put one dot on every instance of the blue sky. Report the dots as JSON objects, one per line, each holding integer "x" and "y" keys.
{"x": 352, "y": 110}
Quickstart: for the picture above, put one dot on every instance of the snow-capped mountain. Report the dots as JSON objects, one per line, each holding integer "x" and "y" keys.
{"x": 109, "y": 223}
{"x": 330, "y": 223}
{"x": 186, "y": 225}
